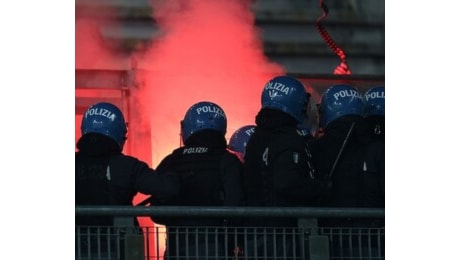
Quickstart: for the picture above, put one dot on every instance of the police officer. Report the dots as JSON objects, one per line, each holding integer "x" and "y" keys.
{"x": 374, "y": 111}
{"x": 345, "y": 155}
{"x": 374, "y": 115}
{"x": 239, "y": 139}
{"x": 341, "y": 153}
{"x": 278, "y": 169}
{"x": 210, "y": 175}
{"x": 105, "y": 176}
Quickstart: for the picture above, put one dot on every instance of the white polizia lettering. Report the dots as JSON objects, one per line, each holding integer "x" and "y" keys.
{"x": 375, "y": 95}
{"x": 278, "y": 87}
{"x": 100, "y": 112}
{"x": 250, "y": 131}
{"x": 210, "y": 109}
{"x": 195, "y": 150}
{"x": 347, "y": 93}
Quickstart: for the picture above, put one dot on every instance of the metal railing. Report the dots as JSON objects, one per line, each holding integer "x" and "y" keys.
{"x": 354, "y": 234}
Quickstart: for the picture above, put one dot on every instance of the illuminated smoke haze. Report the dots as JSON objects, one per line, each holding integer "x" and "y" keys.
{"x": 92, "y": 51}
{"x": 209, "y": 50}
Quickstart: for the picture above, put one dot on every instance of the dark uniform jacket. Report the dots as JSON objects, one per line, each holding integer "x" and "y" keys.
{"x": 358, "y": 176}
{"x": 374, "y": 175}
{"x": 105, "y": 176}
{"x": 209, "y": 175}
{"x": 360, "y": 160}
{"x": 278, "y": 168}
{"x": 376, "y": 124}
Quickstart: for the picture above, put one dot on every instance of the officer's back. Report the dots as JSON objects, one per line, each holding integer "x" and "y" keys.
{"x": 210, "y": 175}
{"x": 347, "y": 156}
{"x": 104, "y": 176}
{"x": 278, "y": 169}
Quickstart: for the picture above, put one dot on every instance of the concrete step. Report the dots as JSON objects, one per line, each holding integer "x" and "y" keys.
{"x": 265, "y": 11}
{"x": 277, "y": 39}
{"x": 287, "y": 29}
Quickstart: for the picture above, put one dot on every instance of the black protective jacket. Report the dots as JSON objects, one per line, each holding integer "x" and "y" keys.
{"x": 105, "y": 176}
{"x": 374, "y": 176}
{"x": 278, "y": 168}
{"x": 209, "y": 174}
{"x": 376, "y": 124}
{"x": 357, "y": 176}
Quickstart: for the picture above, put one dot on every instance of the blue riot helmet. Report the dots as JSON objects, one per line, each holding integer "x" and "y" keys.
{"x": 286, "y": 94}
{"x": 374, "y": 102}
{"x": 240, "y": 138}
{"x": 203, "y": 115}
{"x": 339, "y": 100}
{"x": 107, "y": 119}
{"x": 374, "y": 110}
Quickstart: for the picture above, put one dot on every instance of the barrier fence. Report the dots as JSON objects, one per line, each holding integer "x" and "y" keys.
{"x": 320, "y": 234}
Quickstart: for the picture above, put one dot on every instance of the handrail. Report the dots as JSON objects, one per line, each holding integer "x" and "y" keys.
{"x": 189, "y": 211}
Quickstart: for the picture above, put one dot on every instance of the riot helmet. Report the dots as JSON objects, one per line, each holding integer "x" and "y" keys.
{"x": 286, "y": 94}
{"x": 106, "y": 119}
{"x": 240, "y": 138}
{"x": 338, "y": 101}
{"x": 374, "y": 102}
{"x": 203, "y": 115}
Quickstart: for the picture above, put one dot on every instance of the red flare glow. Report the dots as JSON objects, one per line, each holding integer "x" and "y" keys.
{"x": 209, "y": 51}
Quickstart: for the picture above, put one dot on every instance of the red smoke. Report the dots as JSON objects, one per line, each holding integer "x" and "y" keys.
{"x": 92, "y": 51}
{"x": 207, "y": 50}
{"x": 210, "y": 51}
